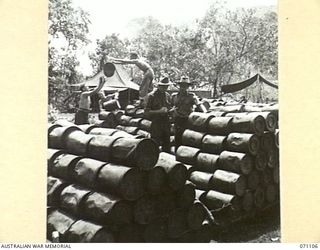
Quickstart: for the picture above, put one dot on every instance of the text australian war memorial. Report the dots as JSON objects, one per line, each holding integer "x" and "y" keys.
{"x": 174, "y": 135}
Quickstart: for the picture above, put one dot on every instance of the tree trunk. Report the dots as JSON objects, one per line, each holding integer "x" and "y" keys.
{"x": 215, "y": 85}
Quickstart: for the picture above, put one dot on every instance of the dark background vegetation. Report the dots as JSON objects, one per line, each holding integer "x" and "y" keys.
{"x": 222, "y": 47}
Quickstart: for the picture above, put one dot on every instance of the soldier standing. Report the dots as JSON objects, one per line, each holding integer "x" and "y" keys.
{"x": 146, "y": 85}
{"x": 156, "y": 109}
{"x": 82, "y": 114}
{"x": 183, "y": 104}
{"x": 83, "y": 111}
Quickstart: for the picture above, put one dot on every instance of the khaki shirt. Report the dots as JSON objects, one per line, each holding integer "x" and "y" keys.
{"x": 183, "y": 103}
{"x": 157, "y": 100}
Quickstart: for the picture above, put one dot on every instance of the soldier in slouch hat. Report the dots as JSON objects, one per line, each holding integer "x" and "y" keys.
{"x": 183, "y": 104}
{"x": 156, "y": 109}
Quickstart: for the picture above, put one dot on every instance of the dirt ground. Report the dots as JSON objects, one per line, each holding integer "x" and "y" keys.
{"x": 264, "y": 229}
{"x": 93, "y": 117}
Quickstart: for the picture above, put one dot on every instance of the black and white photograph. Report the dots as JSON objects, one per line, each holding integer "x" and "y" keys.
{"x": 163, "y": 122}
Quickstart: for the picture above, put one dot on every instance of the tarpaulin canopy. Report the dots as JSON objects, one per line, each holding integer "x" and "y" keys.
{"x": 267, "y": 82}
{"x": 120, "y": 80}
{"x": 230, "y": 88}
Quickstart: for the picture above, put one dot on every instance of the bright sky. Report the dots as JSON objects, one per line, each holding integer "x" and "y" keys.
{"x": 114, "y": 16}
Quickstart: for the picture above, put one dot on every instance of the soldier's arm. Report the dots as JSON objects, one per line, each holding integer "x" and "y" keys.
{"x": 123, "y": 61}
{"x": 102, "y": 99}
{"x": 163, "y": 110}
{"x": 172, "y": 101}
{"x": 97, "y": 89}
{"x": 142, "y": 63}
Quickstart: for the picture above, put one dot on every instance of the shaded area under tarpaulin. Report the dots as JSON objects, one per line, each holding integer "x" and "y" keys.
{"x": 230, "y": 88}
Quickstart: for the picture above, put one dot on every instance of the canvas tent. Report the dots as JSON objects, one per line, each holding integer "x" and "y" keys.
{"x": 120, "y": 81}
